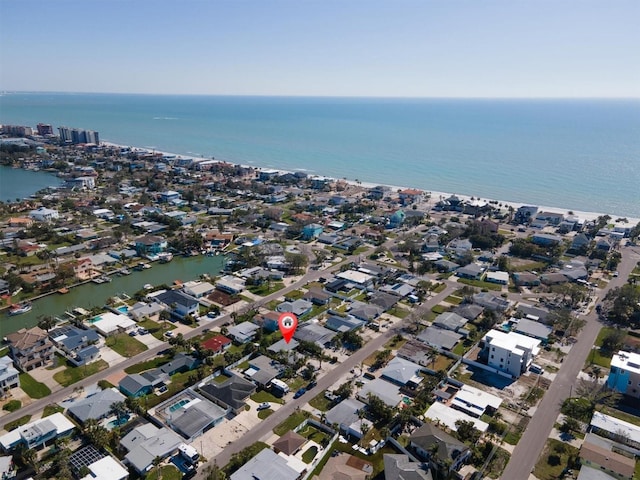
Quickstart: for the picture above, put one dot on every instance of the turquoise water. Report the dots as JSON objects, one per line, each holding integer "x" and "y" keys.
{"x": 575, "y": 154}
{"x": 123, "y": 309}
{"x": 115, "y": 423}
{"x": 178, "y": 405}
{"x": 16, "y": 183}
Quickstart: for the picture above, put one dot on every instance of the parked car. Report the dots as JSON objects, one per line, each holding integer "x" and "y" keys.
{"x": 311, "y": 385}
{"x": 300, "y": 392}
{"x": 264, "y": 406}
{"x": 142, "y": 331}
{"x": 168, "y": 334}
{"x": 133, "y": 333}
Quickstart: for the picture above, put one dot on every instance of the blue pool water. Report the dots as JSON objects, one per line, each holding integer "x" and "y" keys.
{"x": 123, "y": 309}
{"x": 178, "y": 405}
{"x": 114, "y": 423}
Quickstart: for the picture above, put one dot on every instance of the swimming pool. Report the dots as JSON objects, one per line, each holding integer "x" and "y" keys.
{"x": 114, "y": 423}
{"x": 95, "y": 319}
{"x": 123, "y": 309}
{"x": 178, "y": 405}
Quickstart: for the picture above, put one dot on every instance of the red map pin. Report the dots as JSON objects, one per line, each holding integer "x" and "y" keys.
{"x": 288, "y": 323}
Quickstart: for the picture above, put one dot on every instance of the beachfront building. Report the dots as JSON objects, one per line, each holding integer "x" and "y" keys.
{"x": 150, "y": 245}
{"x": 37, "y": 434}
{"x": 511, "y": 352}
{"x": 30, "y": 348}
{"x": 179, "y": 304}
{"x": 624, "y": 376}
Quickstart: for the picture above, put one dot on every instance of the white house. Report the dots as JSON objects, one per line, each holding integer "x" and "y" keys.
{"x": 509, "y": 352}
{"x": 43, "y": 214}
{"x": 38, "y": 433}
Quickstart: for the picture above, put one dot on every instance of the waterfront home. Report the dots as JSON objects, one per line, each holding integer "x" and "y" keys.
{"x": 150, "y": 310}
{"x": 39, "y": 433}
{"x": 44, "y": 214}
{"x": 96, "y": 406}
{"x": 30, "y": 348}
{"x": 231, "y": 394}
{"x": 83, "y": 269}
{"x": 179, "y": 304}
{"x": 230, "y": 284}
{"x": 197, "y": 289}
{"x": 410, "y": 195}
{"x": 9, "y": 376}
{"x": 77, "y": 344}
{"x": 146, "y": 443}
{"x": 150, "y": 245}
{"x": 111, "y": 323}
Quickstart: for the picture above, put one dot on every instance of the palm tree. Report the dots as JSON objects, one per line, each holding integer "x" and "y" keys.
{"x": 118, "y": 409}
{"x": 156, "y": 463}
{"x": 46, "y": 322}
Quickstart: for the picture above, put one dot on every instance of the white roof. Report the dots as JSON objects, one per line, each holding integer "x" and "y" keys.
{"x": 197, "y": 288}
{"x": 107, "y": 469}
{"x": 111, "y": 322}
{"x": 449, "y": 416}
{"x": 627, "y": 361}
{"x": 356, "y": 277}
{"x": 614, "y": 425}
{"x": 475, "y": 400}
{"x": 498, "y": 276}
{"x": 512, "y": 341}
{"x": 60, "y": 422}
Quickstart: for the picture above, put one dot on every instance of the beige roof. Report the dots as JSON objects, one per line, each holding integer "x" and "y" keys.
{"x": 614, "y": 462}
{"x": 24, "y": 339}
{"x": 289, "y": 443}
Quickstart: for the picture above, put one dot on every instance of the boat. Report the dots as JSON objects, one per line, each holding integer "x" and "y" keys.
{"x": 125, "y": 271}
{"x": 146, "y": 266}
{"x": 165, "y": 257}
{"x": 106, "y": 278}
{"x": 98, "y": 280}
{"x": 20, "y": 308}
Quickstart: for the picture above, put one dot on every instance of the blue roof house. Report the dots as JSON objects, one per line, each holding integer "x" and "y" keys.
{"x": 311, "y": 231}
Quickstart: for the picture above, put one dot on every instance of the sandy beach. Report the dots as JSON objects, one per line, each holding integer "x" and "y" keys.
{"x": 435, "y": 195}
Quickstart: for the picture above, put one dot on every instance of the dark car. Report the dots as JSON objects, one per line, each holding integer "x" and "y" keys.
{"x": 300, "y": 392}
{"x": 311, "y": 385}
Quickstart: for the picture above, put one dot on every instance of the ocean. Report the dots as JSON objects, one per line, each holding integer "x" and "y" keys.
{"x": 581, "y": 155}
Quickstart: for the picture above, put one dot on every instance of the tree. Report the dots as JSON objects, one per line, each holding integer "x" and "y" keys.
{"x": 46, "y": 322}
{"x": 612, "y": 342}
{"x": 214, "y": 472}
{"x": 344, "y": 391}
{"x": 119, "y": 409}
{"x": 309, "y": 372}
{"x": 570, "y": 425}
{"x": 466, "y": 432}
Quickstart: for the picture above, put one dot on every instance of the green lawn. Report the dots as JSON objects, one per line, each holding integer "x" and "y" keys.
{"x": 262, "y": 414}
{"x": 266, "y": 288}
{"x": 167, "y": 472}
{"x": 555, "y": 457}
{"x": 51, "y": 409}
{"x": 480, "y": 284}
{"x": 148, "y": 365}
{"x": 439, "y": 309}
{"x": 156, "y": 329}
{"x": 17, "y": 423}
{"x": 292, "y": 422}
{"x": 4, "y": 352}
{"x": 398, "y": 312}
{"x": 453, "y": 300}
{"x": 12, "y": 405}
{"x": 125, "y": 345}
{"x": 320, "y": 402}
{"x": 295, "y": 295}
{"x": 221, "y": 378}
{"x": 71, "y": 375}
{"x": 262, "y": 396}
{"x": 33, "y": 388}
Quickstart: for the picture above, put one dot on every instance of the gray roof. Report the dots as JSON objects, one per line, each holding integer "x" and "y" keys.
{"x": 385, "y": 391}
{"x": 345, "y": 413}
{"x": 243, "y": 331}
{"x": 489, "y": 300}
{"x": 97, "y": 405}
{"x": 134, "y": 382}
{"x": 417, "y": 352}
{"x": 73, "y": 337}
{"x": 439, "y": 338}
{"x": 471, "y": 270}
{"x": 469, "y": 311}
{"x": 400, "y": 467}
{"x": 399, "y": 289}
{"x": 450, "y": 321}
{"x": 343, "y": 324}
{"x": 266, "y": 465}
{"x": 365, "y": 311}
{"x": 312, "y": 332}
{"x": 282, "y": 346}
{"x": 541, "y": 313}
{"x": 383, "y": 300}
{"x": 298, "y": 307}
{"x": 141, "y": 309}
{"x": 400, "y": 370}
{"x": 192, "y": 419}
{"x": 232, "y": 392}
{"x": 179, "y": 362}
{"x": 147, "y": 442}
{"x": 532, "y": 329}
{"x": 428, "y": 434}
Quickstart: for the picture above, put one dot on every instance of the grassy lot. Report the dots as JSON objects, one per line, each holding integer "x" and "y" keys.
{"x": 156, "y": 329}
{"x": 262, "y": 414}
{"x": 262, "y": 396}
{"x": 32, "y": 387}
{"x": 453, "y": 300}
{"x": 148, "y": 365}
{"x": 296, "y": 382}
{"x": 459, "y": 349}
{"x": 17, "y": 423}
{"x": 441, "y": 363}
{"x": 125, "y": 345}
{"x": 320, "y": 402}
{"x": 438, "y": 309}
{"x": 12, "y": 405}
{"x": 480, "y": 284}
{"x": 71, "y": 375}
{"x": 314, "y": 312}
{"x": 167, "y": 472}
{"x": 4, "y": 352}
{"x": 292, "y": 422}
{"x": 498, "y": 463}
{"x": 596, "y": 357}
{"x": 535, "y": 266}
{"x": 267, "y": 288}
{"x": 295, "y": 295}
{"x": 310, "y": 454}
{"x": 398, "y": 312}
{"x": 555, "y": 457}
{"x": 51, "y": 409}
{"x": 440, "y": 287}
{"x": 395, "y": 344}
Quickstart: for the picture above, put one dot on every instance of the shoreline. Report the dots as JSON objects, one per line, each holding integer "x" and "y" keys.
{"x": 581, "y": 214}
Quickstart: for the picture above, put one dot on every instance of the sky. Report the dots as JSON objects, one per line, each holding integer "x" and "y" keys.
{"x": 373, "y": 48}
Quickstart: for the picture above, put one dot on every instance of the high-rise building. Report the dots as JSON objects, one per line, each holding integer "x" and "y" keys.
{"x": 44, "y": 129}
{"x": 76, "y": 136}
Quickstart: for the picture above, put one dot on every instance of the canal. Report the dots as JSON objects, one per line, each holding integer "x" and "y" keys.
{"x": 95, "y": 295}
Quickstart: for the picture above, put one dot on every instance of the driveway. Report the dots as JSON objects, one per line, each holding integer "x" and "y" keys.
{"x": 46, "y": 376}
{"x": 110, "y": 356}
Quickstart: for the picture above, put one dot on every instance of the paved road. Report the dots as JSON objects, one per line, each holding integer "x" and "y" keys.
{"x": 529, "y": 448}
{"x": 264, "y": 428}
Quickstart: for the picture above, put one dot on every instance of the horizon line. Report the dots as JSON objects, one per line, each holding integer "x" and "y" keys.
{"x": 381, "y": 97}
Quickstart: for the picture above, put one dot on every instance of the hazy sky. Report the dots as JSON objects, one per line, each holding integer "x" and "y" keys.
{"x": 406, "y": 48}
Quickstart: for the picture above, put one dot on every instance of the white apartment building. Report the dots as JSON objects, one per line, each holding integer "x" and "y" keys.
{"x": 510, "y": 352}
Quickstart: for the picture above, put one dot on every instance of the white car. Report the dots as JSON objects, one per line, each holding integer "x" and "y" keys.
{"x": 264, "y": 406}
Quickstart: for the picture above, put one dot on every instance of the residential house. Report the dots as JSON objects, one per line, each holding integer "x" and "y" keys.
{"x": 619, "y": 466}
{"x": 533, "y": 313}
{"x": 231, "y": 394}
{"x": 344, "y": 324}
{"x": 262, "y": 370}
{"x": 402, "y": 467}
{"x": 345, "y": 414}
{"x": 450, "y": 455}
{"x": 180, "y": 363}
{"x": 448, "y": 416}
{"x": 146, "y": 443}
{"x": 9, "y": 376}
{"x": 410, "y": 196}
{"x": 217, "y": 344}
{"x": 78, "y": 345}
{"x": 624, "y": 376}
{"x": 298, "y": 307}
{"x": 450, "y": 321}
{"x": 551, "y": 218}
{"x": 460, "y": 246}
{"x": 266, "y": 465}
{"x": 491, "y": 301}
{"x": 526, "y": 279}
{"x": 472, "y": 271}
{"x": 546, "y": 239}
{"x": 356, "y": 279}
{"x": 150, "y": 310}
{"x": 311, "y": 231}
{"x": 96, "y": 406}
{"x": 43, "y": 214}
{"x": 385, "y": 391}
{"x": 403, "y": 373}
{"x": 243, "y": 332}
{"x": 400, "y": 289}
{"x": 230, "y": 284}
{"x": 197, "y": 289}
{"x": 268, "y": 321}
{"x": 37, "y": 434}
{"x": 30, "y": 348}
{"x": 511, "y": 352}
{"x": 317, "y": 297}
{"x": 531, "y": 328}
{"x": 313, "y": 332}
{"x": 179, "y": 303}
{"x": 111, "y": 323}
{"x": 83, "y": 269}
{"x": 193, "y": 418}
{"x": 439, "y": 338}
{"x": 170, "y": 196}
{"x": 365, "y": 311}
{"x": 346, "y": 467}
{"x": 290, "y": 443}
{"x": 469, "y": 311}
{"x": 383, "y": 300}
{"x": 618, "y": 430}
{"x": 150, "y": 245}
{"x": 446, "y": 266}
{"x": 135, "y": 385}
{"x": 475, "y": 402}
{"x": 106, "y": 468}
{"x": 501, "y": 278}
